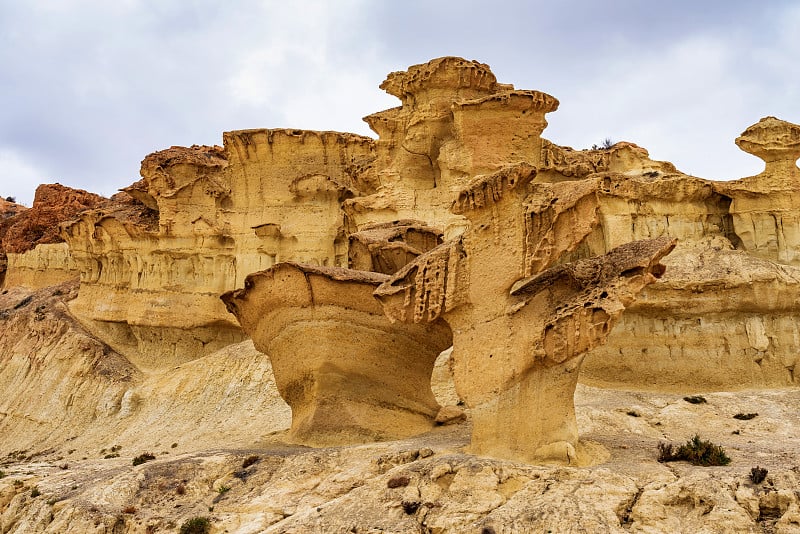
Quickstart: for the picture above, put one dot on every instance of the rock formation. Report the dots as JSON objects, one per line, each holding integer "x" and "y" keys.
{"x": 455, "y": 122}
{"x": 218, "y": 214}
{"x": 387, "y": 247}
{"x": 30, "y": 244}
{"x": 459, "y": 212}
{"x": 519, "y": 328}
{"x": 348, "y": 373}
{"x": 8, "y": 210}
{"x": 719, "y": 284}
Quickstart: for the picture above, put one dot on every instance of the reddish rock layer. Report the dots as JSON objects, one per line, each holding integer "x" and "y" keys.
{"x": 52, "y": 204}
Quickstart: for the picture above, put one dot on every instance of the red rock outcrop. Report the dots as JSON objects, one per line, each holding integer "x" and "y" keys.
{"x": 52, "y": 205}
{"x": 34, "y": 253}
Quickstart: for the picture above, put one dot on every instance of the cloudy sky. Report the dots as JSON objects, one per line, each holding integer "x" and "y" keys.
{"x": 89, "y": 87}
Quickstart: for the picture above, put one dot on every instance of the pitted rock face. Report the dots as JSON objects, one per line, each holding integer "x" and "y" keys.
{"x": 772, "y": 139}
{"x": 453, "y": 74}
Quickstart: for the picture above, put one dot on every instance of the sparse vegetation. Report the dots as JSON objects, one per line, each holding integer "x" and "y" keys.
{"x": 223, "y": 489}
{"x": 758, "y": 474}
{"x": 633, "y": 413}
{"x": 35, "y": 492}
{"x": 129, "y": 510}
{"x": 695, "y": 451}
{"x": 745, "y": 416}
{"x": 144, "y": 457}
{"x": 695, "y": 399}
{"x": 11, "y": 199}
{"x": 410, "y": 507}
{"x": 2, "y": 473}
{"x": 196, "y": 525}
{"x": 111, "y": 455}
{"x": 605, "y": 145}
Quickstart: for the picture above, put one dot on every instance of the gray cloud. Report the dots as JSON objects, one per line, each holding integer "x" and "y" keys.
{"x": 89, "y": 88}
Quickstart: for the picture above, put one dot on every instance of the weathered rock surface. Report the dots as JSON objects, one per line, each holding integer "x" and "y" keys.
{"x": 220, "y": 214}
{"x": 8, "y": 210}
{"x": 29, "y": 239}
{"x": 724, "y": 314}
{"x": 64, "y": 388}
{"x": 520, "y": 329}
{"x": 427, "y": 484}
{"x": 155, "y": 359}
{"x": 349, "y": 374}
{"x": 455, "y": 121}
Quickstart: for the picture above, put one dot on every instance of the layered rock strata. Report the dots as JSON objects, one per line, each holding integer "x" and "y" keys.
{"x": 150, "y": 286}
{"x": 349, "y": 374}
{"x": 724, "y": 315}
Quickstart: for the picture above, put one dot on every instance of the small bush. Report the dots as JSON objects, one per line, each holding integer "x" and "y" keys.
{"x": 758, "y": 474}
{"x": 250, "y": 460}
{"x": 129, "y": 510}
{"x": 112, "y": 455}
{"x": 410, "y": 507}
{"x": 180, "y": 489}
{"x": 196, "y": 525}
{"x": 633, "y": 413}
{"x": 223, "y": 489}
{"x": 695, "y": 451}
{"x": 695, "y": 399}
{"x": 2, "y": 473}
{"x": 745, "y": 416}
{"x": 144, "y": 457}
{"x": 605, "y": 145}
{"x": 35, "y": 492}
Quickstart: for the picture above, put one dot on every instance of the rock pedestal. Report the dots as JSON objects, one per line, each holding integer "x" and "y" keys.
{"x": 521, "y": 325}
{"x": 348, "y": 373}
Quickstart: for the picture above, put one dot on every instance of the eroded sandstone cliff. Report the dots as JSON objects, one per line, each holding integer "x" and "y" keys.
{"x": 144, "y": 355}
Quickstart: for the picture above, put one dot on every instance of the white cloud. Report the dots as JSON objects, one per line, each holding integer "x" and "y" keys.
{"x": 685, "y": 104}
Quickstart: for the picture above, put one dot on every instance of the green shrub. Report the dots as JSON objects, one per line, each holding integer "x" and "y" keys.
{"x": 144, "y": 457}
{"x": 695, "y": 451}
{"x": 35, "y": 492}
{"x": 758, "y": 474}
{"x": 196, "y": 525}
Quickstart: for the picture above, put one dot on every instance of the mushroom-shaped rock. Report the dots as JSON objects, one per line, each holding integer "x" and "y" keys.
{"x": 521, "y": 322}
{"x": 766, "y": 208}
{"x": 517, "y": 371}
{"x": 349, "y": 374}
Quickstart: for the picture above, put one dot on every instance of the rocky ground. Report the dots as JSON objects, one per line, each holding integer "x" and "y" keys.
{"x": 74, "y": 415}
